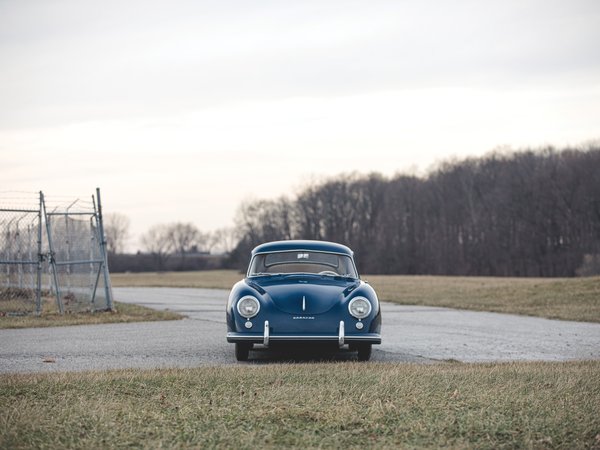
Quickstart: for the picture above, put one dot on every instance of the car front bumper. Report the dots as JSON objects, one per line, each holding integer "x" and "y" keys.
{"x": 341, "y": 338}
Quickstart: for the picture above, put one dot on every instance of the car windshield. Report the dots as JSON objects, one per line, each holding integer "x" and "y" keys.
{"x": 302, "y": 261}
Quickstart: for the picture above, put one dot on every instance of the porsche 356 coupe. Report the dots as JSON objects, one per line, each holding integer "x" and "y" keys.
{"x": 303, "y": 291}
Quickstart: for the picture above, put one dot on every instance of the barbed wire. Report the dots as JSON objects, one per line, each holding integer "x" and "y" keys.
{"x": 19, "y": 199}
{"x": 78, "y": 205}
{"x": 24, "y": 200}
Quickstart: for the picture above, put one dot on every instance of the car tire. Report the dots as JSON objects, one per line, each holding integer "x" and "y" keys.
{"x": 242, "y": 350}
{"x": 364, "y": 352}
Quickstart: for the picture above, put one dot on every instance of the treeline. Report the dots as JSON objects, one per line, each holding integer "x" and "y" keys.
{"x": 531, "y": 213}
{"x": 150, "y": 262}
{"x": 175, "y": 246}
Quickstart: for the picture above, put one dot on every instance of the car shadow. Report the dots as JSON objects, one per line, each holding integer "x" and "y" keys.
{"x": 300, "y": 353}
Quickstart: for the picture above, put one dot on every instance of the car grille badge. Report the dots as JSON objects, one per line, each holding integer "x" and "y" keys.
{"x": 303, "y": 303}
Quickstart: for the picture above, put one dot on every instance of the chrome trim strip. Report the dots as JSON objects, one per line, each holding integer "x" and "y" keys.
{"x": 266, "y": 334}
{"x": 347, "y": 339}
{"x": 341, "y": 335}
{"x": 257, "y": 338}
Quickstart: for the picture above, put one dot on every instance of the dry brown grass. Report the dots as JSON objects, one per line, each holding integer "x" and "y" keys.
{"x": 51, "y": 318}
{"x": 555, "y": 298}
{"x": 330, "y": 405}
{"x": 209, "y": 279}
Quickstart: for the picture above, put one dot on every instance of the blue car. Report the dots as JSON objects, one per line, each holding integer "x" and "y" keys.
{"x": 303, "y": 291}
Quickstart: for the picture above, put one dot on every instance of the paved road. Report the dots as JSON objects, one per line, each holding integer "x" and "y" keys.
{"x": 410, "y": 334}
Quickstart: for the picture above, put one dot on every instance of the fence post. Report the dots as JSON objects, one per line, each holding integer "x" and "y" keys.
{"x": 59, "y": 303}
{"x": 38, "y": 291}
{"x": 107, "y": 284}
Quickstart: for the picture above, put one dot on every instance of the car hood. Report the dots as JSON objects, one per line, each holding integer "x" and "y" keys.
{"x": 306, "y": 295}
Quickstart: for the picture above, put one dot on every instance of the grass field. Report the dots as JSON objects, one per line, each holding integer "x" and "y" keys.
{"x": 332, "y": 405}
{"x": 208, "y": 279}
{"x": 555, "y": 298}
{"x": 51, "y": 318}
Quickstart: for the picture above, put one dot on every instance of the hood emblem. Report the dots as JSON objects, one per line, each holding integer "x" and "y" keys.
{"x": 303, "y": 303}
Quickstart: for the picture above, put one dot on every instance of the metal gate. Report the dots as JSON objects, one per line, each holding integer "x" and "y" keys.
{"x": 21, "y": 254}
{"x": 71, "y": 261}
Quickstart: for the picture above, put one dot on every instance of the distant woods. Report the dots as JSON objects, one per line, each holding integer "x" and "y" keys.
{"x": 524, "y": 214}
{"x": 173, "y": 246}
{"x": 531, "y": 213}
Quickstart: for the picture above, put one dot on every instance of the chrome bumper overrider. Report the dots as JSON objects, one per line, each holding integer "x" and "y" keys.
{"x": 267, "y": 337}
{"x": 266, "y": 334}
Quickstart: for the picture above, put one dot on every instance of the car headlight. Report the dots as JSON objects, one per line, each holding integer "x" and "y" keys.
{"x": 248, "y": 307}
{"x": 359, "y": 307}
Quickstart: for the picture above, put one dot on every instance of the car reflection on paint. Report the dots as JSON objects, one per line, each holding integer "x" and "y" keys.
{"x": 299, "y": 292}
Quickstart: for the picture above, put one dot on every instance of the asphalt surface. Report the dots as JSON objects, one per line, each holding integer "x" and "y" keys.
{"x": 410, "y": 334}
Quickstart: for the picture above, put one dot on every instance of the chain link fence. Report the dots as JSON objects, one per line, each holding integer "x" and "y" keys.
{"x": 53, "y": 257}
{"x": 20, "y": 250}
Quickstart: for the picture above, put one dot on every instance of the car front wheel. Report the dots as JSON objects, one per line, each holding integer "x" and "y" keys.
{"x": 242, "y": 350}
{"x": 364, "y": 352}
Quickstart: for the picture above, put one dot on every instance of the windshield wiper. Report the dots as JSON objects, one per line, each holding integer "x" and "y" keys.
{"x": 346, "y": 276}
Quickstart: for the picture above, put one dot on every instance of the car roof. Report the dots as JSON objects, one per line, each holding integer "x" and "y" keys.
{"x": 293, "y": 245}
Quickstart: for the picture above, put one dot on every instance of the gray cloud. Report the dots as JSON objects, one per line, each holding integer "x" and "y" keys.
{"x": 73, "y": 61}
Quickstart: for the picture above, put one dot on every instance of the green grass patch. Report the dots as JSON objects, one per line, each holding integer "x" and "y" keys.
{"x": 51, "y": 318}
{"x": 553, "y": 298}
{"x": 332, "y": 405}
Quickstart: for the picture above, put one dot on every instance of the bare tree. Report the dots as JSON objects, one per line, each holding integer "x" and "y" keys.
{"x": 116, "y": 231}
{"x": 158, "y": 242}
{"x": 183, "y": 238}
{"x": 530, "y": 213}
{"x": 265, "y": 220}
{"x": 223, "y": 239}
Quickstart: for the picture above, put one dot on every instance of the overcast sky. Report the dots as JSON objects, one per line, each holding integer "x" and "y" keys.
{"x": 181, "y": 110}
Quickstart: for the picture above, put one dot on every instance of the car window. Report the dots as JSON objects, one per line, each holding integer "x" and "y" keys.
{"x": 323, "y": 263}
